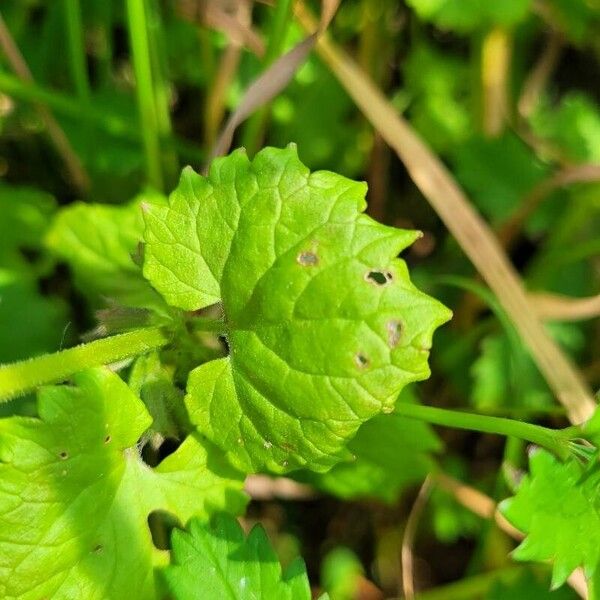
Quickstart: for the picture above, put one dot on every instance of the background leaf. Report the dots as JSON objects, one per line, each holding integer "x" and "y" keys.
{"x": 99, "y": 242}
{"x": 75, "y": 494}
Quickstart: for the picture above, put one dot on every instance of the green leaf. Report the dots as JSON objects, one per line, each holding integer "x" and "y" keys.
{"x": 556, "y": 505}
{"x": 99, "y": 242}
{"x": 25, "y": 216}
{"x": 577, "y": 19}
{"x": 341, "y": 574}
{"x": 573, "y": 126}
{"x": 75, "y": 495}
{"x": 323, "y": 325}
{"x": 497, "y": 173}
{"x": 152, "y": 382}
{"x": 438, "y": 83}
{"x": 529, "y": 585}
{"x": 505, "y": 375}
{"x": 31, "y": 323}
{"x": 390, "y": 452}
{"x": 219, "y": 562}
{"x": 464, "y": 16}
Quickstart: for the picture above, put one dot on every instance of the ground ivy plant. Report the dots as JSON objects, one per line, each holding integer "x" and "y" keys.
{"x": 261, "y": 322}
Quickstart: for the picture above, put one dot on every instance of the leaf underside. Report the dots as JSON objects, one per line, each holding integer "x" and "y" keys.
{"x": 323, "y": 325}
{"x": 75, "y": 495}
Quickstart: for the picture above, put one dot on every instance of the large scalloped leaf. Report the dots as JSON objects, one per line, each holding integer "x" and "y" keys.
{"x": 75, "y": 495}
{"x": 217, "y": 561}
{"x": 323, "y": 324}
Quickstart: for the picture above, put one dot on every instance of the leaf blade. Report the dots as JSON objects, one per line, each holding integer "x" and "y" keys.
{"x": 323, "y": 324}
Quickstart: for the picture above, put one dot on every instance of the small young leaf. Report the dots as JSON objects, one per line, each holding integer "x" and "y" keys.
{"x": 75, "y": 495}
{"x": 219, "y": 562}
{"x": 556, "y": 505}
{"x": 323, "y": 325}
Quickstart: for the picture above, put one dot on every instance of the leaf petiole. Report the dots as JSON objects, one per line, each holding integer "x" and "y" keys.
{"x": 557, "y": 441}
{"x": 24, "y": 376}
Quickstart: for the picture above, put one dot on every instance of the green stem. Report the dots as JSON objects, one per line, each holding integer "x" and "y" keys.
{"x": 556, "y": 441}
{"x": 140, "y": 47}
{"x": 161, "y": 87}
{"x": 24, "y": 376}
{"x": 255, "y": 126}
{"x": 76, "y": 45}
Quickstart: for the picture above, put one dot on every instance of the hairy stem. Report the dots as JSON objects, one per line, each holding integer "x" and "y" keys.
{"x": 556, "y": 441}
{"x": 24, "y": 376}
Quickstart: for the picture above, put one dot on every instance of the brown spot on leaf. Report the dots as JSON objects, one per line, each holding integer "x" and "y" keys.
{"x": 394, "y": 331}
{"x": 308, "y": 259}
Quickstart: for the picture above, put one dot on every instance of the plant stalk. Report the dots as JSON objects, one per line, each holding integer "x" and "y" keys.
{"x": 76, "y": 45}
{"x": 255, "y": 126}
{"x": 24, "y": 376}
{"x": 142, "y": 66}
{"x": 556, "y": 441}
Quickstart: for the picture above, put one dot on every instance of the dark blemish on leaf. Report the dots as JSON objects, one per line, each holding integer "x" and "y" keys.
{"x": 98, "y": 549}
{"x": 394, "y": 331}
{"x": 63, "y": 455}
{"x": 107, "y": 439}
{"x": 361, "y": 360}
{"x": 308, "y": 259}
{"x": 379, "y": 278}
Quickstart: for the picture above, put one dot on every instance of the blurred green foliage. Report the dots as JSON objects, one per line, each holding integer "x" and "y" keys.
{"x": 67, "y": 252}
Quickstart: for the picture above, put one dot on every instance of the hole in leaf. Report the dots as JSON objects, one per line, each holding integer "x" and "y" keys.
{"x": 361, "y": 360}
{"x": 161, "y": 524}
{"x": 168, "y": 447}
{"x": 64, "y": 455}
{"x": 225, "y": 342}
{"x": 308, "y": 259}
{"x": 379, "y": 278}
{"x": 394, "y": 331}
